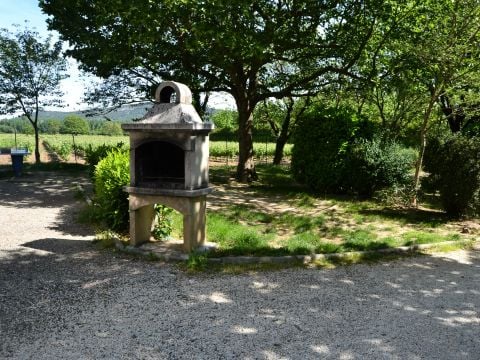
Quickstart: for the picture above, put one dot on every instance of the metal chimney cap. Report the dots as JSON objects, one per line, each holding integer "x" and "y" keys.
{"x": 166, "y": 89}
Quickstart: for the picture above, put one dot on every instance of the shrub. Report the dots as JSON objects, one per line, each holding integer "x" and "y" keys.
{"x": 321, "y": 141}
{"x": 93, "y": 155}
{"x": 454, "y": 167}
{"x": 163, "y": 222}
{"x": 112, "y": 173}
{"x": 376, "y": 164}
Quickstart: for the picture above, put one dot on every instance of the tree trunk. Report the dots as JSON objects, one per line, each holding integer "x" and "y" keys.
{"x": 246, "y": 165}
{"x": 423, "y": 144}
{"x": 37, "y": 145}
{"x": 279, "y": 146}
{"x": 283, "y": 135}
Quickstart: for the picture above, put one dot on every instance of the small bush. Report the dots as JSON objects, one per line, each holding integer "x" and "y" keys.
{"x": 334, "y": 151}
{"x": 454, "y": 167}
{"x": 372, "y": 165}
{"x": 112, "y": 173}
{"x": 163, "y": 222}
{"x": 110, "y": 128}
{"x": 93, "y": 155}
{"x": 321, "y": 143}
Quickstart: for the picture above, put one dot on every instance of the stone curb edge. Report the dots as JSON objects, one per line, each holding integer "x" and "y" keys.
{"x": 290, "y": 258}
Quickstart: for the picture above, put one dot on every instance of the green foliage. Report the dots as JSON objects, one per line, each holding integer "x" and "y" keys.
{"x": 62, "y": 148}
{"x": 20, "y": 125}
{"x": 94, "y": 153}
{"x": 374, "y": 164}
{"x": 163, "y": 222}
{"x": 225, "y": 119}
{"x": 254, "y": 51}
{"x": 30, "y": 73}
{"x": 310, "y": 243}
{"x": 23, "y": 141}
{"x": 321, "y": 143}
{"x": 50, "y": 126}
{"x": 74, "y": 124}
{"x": 197, "y": 261}
{"x": 6, "y": 128}
{"x": 112, "y": 173}
{"x": 454, "y": 168}
{"x": 110, "y": 128}
{"x": 334, "y": 152}
{"x": 233, "y": 237}
{"x": 230, "y": 149}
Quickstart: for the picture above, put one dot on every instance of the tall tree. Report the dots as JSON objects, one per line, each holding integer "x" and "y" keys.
{"x": 253, "y": 50}
{"x": 441, "y": 57}
{"x": 30, "y": 73}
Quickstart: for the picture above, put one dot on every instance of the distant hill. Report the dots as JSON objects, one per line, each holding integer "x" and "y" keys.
{"x": 123, "y": 114}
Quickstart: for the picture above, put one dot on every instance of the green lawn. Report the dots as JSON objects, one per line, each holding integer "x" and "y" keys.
{"x": 276, "y": 216}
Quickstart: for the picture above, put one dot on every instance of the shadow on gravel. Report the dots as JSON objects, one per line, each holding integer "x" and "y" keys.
{"x": 67, "y": 221}
{"x": 60, "y": 246}
{"x": 41, "y": 189}
{"x": 425, "y": 307}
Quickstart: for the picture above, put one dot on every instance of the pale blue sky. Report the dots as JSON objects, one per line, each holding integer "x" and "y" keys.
{"x": 17, "y": 11}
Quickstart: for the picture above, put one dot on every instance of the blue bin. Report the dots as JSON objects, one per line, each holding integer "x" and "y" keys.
{"x": 17, "y": 164}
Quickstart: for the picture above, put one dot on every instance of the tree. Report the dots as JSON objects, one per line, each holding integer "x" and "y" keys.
{"x": 253, "y": 50}
{"x": 110, "y": 128}
{"x": 74, "y": 124}
{"x": 281, "y": 116}
{"x": 441, "y": 59}
{"x": 30, "y": 73}
{"x": 50, "y": 126}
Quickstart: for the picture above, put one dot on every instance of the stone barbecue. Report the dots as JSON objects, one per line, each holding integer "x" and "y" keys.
{"x": 169, "y": 165}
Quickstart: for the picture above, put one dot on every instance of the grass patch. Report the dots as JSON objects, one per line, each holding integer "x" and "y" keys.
{"x": 248, "y": 213}
{"x": 300, "y": 223}
{"x": 365, "y": 240}
{"x": 309, "y": 243}
{"x": 235, "y": 239}
{"x": 420, "y": 237}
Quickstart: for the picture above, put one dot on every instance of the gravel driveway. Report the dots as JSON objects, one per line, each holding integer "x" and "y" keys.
{"x": 62, "y": 299}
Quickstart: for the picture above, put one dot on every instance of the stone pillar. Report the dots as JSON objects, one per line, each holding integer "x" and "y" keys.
{"x": 194, "y": 221}
{"x": 141, "y": 221}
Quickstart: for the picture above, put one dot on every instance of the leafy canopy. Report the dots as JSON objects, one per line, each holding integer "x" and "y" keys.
{"x": 30, "y": 72}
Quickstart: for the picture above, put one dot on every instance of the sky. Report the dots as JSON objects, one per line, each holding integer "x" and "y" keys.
{"x": 18, "y": 11}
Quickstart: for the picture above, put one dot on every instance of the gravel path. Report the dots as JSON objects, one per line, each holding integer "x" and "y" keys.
{"x": 62, "y": 299}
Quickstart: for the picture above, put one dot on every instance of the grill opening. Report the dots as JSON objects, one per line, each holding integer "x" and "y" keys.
{"x": 160, "y": 164}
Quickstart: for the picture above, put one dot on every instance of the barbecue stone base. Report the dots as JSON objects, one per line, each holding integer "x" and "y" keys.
{"x": 193, "y": 209}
